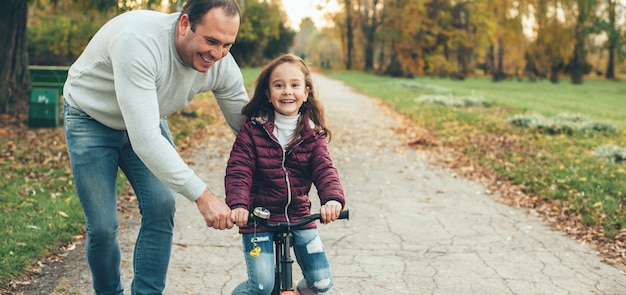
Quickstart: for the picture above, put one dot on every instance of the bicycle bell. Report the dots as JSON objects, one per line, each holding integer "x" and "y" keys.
{"x": 262, "y": 213}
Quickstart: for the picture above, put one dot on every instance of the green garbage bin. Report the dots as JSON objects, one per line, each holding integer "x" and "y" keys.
{"x": 43, "y": 108}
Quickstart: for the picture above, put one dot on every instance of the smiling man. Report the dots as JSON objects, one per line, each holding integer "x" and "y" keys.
{"x": 138, "y": 68}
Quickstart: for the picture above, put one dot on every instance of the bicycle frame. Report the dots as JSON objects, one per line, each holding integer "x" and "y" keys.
{"x": 283, "y": 242}
{"x": 283, "y": 268}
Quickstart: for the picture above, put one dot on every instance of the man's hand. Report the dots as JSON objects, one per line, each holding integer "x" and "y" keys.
{"x": 215, "y": 212}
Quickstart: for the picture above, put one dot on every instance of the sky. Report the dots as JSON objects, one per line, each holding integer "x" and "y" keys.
{"x": 299, "y": 9}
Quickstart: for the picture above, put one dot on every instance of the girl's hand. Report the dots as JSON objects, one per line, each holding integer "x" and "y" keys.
{"x": 240, "y": 216}
{"x": 330, "y": 212}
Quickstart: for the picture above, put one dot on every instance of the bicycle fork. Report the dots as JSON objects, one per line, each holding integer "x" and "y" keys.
{"x": 283, "y": 279}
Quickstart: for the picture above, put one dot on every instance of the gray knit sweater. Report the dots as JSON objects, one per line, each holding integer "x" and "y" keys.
{"x": 130, "y": 76}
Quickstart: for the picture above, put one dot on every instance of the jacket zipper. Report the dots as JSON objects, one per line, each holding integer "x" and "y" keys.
{"x": 282, "y": 165}
{"x": 285, "y": 153}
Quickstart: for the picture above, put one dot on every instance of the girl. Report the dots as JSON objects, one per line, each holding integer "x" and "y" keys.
{"x": 279, "y": 152}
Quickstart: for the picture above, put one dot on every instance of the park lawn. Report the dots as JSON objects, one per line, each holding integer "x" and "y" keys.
{"x": 598, "y": 99}
{"x": 556, "y": 172}
{"x": 39, "y": 212}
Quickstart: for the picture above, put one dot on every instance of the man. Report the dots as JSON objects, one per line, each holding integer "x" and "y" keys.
{"x": 140, "y": 67}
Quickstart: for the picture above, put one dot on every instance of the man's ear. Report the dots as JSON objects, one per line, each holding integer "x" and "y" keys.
{"x": 183, "y": 24}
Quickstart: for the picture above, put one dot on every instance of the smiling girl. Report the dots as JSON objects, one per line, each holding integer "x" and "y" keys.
{"x": 279, "y": 152}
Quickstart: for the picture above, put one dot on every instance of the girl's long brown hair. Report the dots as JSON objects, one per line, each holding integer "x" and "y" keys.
{"x": 259, "y": 105}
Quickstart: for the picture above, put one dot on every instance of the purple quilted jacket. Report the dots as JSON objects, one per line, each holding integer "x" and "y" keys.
{"x": 261, "y": 173}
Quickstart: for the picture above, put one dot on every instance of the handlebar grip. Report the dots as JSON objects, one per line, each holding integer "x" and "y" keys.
{"x": 345, "y": 214}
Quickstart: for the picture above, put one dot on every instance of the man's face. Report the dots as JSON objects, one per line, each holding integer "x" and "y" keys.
{"x": 210, "y": 41}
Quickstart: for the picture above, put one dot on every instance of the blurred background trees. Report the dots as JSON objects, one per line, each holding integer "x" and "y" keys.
{"x": 500, "y": 39}
{"x": 263, "y": 33}
{"x": 525, "y": 38}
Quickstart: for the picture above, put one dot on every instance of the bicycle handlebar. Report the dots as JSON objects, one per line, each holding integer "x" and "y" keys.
{"x": 344, "y": 214}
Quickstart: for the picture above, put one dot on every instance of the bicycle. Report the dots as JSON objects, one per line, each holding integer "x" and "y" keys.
{"x": 283, "y": 241}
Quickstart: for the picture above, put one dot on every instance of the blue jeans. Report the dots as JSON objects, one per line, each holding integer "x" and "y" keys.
{"x": 96, "y": 151}
{"x": 309, "y": 252}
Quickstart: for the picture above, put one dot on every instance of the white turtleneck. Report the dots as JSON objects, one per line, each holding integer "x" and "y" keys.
{"x": 284, "y": 127}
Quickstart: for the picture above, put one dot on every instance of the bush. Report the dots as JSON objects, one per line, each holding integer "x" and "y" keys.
{"x": 432, "y": 87}
{"x": 447, "y": 100}
{"x": 612, "y": 152}
{"x": 55, "y": 39}
{"x": 562, "y": 124}
{"x": 527, "y": 120}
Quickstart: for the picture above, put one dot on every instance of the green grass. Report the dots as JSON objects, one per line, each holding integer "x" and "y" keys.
{"x": 40, "y": 211}
{"x": 557, "y": 169}
{"x": 599, "y": 99}
{"x": 249, "y": 76}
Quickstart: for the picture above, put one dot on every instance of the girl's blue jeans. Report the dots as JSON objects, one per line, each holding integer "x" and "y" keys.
{"x": 96, "y": 152}
{"x": 309, "y": 252}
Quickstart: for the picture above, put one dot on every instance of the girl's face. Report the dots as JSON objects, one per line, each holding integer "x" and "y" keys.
{"x": 287, "y": 90}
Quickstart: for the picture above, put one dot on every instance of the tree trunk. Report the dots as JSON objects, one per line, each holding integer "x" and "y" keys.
{"x": 578, "y": 62}
{"x": 369, "y": 49}
{"x": 369, "y": 20}
{"x": 394, "y": 69}
{"x": 554, "y": 74}
{"x": 613, "y": 41}
{"x": 578, "y": 59}
{"x": 463, "y": 58}
{"x": 500, "y": 65}
{"x": 14, "y": 76}
{"x": 498, "y": 74}
{"x": 490, "y": 62}
{"x": 610, "y": 67}
{"x": 349, "y": 35}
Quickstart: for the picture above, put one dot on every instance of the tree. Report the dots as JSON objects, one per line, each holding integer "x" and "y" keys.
{"x": 461, "y": 37}
{"x": 58, "y": 33}
{"x": 14, "y": 76}
{"x": 539, "y": 38}
{"x": 614, "y": 35}
{"x": 405, "y": 36}
{"x": 551, "y": 49}
{"x": 303, "y": 40}
{"x": 500, "y": 10}
{"x": 578, "y": 64}
{"x": 263, "y": 33}
{"x": 390, "y": 60}
{"x": 325, "y": 50}
{"x": 345, "y": 29}
{"x": 349, "y": 34}
{"x": 370, "y": 14}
